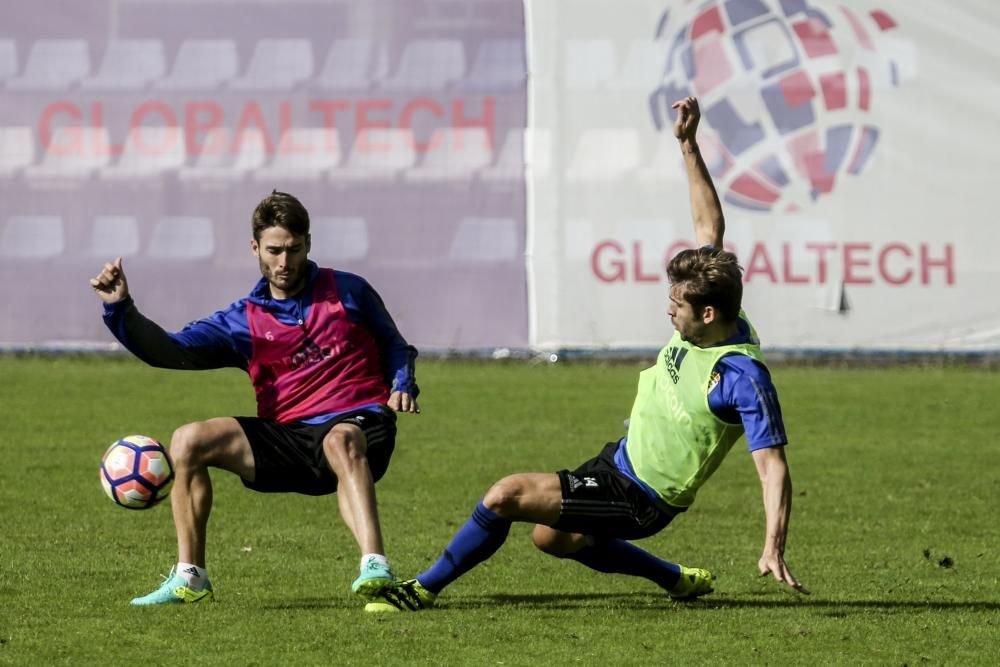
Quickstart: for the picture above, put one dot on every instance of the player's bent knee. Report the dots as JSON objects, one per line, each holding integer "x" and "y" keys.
{"x": 504, "y": 497}
{"x": 344, "y": 445}
{"x": 189, "y": 444}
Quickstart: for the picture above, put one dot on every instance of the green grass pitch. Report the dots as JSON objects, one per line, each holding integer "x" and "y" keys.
{"x": 895, "y": 528}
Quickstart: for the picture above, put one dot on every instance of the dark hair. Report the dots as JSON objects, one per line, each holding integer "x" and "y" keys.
{"x": 280, "y": 209}
{"x": 709, "y": 277}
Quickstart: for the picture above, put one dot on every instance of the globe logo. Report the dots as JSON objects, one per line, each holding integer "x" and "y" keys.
{"x": 786, "y": 89}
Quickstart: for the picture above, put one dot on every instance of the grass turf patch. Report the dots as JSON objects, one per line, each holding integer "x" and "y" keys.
{"x": 893, "y": 529}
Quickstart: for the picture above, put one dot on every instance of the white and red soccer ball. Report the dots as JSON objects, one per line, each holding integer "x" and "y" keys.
{"x": 136, "y": 472}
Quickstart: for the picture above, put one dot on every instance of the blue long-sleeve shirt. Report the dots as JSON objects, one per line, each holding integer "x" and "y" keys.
{"x": 222, "y": 340}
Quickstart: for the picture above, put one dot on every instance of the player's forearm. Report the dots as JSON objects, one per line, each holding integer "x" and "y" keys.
{"x": 706, "y": 209}
{"x": 777, "y": 489}
{"x": 150, "y": 343}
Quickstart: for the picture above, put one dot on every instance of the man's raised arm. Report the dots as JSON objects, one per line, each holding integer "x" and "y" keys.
{"x": 706, "y": 209}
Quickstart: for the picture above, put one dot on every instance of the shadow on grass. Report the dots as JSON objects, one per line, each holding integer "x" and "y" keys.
{"x": 778, "y": 601}
{"x": 646, "y": 601}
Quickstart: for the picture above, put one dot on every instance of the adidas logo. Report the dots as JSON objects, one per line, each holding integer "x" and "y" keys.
{"x": 574, "y": 483}
{"x": 193, "y": 571}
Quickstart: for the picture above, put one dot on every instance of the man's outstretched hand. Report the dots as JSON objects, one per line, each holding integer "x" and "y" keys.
{"x": 110, "y": 284}
{"x": 688, "y": 115}
{"x": 774, "y": 564}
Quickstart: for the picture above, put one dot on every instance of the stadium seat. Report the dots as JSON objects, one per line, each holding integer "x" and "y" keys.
{"x": 428, "y": 65}
{"x": 17, "y": 149}
{"x": 303, "y": 155}
{"x": 8, "y": 59}
{"x": 277, "y": 64}
{"x": 32, "y": 237}
{"x": 201, "y": 64}
{"x": 338, "y": 239}
{"x": 113, "y": 236}
{"x": 148, "y": 152}
{"x": 525, "y": 152}
{"x": 604, "y": 154}
{"x": 499, "y": 66}
{"x": 223, "y": 161}
{"x": 53, "y": 64}
{"x": 352, "y": 64}
{"x": 129, "y": 64}
{"x": 377, "y": 154}
{"x": 589, "y": 64}
{"x": 453, "y": 153}
{"x": 480, "y": 240}
{"x": 73, "y": 152}
{"x": 182, "y": 238}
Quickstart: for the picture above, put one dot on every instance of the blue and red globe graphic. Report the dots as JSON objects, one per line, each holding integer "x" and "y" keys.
{"x": 786, "y": 89}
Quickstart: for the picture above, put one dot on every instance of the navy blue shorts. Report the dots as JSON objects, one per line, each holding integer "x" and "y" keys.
{"x": 289, "y": 458}
{"x": 597, "y": 499}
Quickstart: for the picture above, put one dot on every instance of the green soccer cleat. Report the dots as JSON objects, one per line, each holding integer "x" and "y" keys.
{"x": 173, "y": 590}
{"x": 693, "y": 583}
{"x": 403, "y": 596}
{"x": 374, "y": 578}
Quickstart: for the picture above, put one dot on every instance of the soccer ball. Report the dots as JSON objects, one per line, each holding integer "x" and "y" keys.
{"x": 136, "y": 472}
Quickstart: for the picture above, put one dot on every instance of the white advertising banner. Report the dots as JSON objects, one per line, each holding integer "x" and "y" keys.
{"x": 854, "y": 146}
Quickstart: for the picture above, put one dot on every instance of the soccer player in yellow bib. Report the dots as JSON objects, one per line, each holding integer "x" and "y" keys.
{"x": 709, "y": 386}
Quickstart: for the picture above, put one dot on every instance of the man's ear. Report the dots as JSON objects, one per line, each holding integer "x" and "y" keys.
{"x": 708, "y": 314}
{"x": 309, "y": 241}
{"x": 255, "y": 248}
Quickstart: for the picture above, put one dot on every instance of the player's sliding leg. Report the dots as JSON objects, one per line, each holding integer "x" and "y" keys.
{"x": 345, "y": 448}
{"x": 525, "y": 497}
{"x": 193, "y": 448}
{"x": 615, "y": 556}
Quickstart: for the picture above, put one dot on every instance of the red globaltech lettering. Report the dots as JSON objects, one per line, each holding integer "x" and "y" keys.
{"x": 864, "y": 263}
{"x": 199, "y": 117}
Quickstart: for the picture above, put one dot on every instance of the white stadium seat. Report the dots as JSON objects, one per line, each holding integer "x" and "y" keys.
{"x": 428, "y": 64}
{"x": 114, "y": 236}
{"x": 8, "y": 59}
{"x": 201, "y": 64}
{"x": 222, "y": 159}
{"x": 17, "y": 149}
{"x": 277, "y": 64}
{"x": 148, "y": 152}
{"x": 526, "y": 152}
{"x": 453, "y": 153}
{"x": 352, "y": 64}
{"x": 303, "y": 154}
{"x": 499, "y": 65}
{"x": 53, "y": 64}
{"x": 480, "y": 240}
{"x": 129, "y": 64}
{"x": 339, "y": 239}
{"x": 182, "y": 238}
{"x": 73, "y": 152}
{"x": 378, "y": 154}
{"x": 32, "y": 237}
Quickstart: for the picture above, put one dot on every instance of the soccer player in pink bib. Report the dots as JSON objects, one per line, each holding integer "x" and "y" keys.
{"x": 329, "y": 368}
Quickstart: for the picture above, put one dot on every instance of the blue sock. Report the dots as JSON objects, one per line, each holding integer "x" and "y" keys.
{"x": 621, "y": 557}
{"x": 476, "y": 541}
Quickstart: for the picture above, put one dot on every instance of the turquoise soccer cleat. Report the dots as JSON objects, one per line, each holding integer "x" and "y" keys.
{"x": 693, "y": 583}
{"x": 173, "y": 590}
{"x": 374, "y": 578}
{"x": 403, "y": 596}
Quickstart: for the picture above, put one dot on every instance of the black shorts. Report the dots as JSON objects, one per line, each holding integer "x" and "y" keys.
{"x": 597, "y": 499}
{"x": 289, "y": 457}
